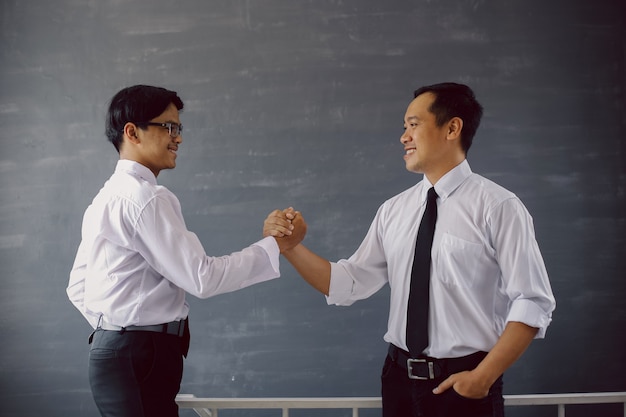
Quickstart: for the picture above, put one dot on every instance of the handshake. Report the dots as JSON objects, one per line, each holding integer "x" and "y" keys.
{"x": 287, "y": 226}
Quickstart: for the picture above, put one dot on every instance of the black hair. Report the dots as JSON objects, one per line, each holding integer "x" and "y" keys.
{"x": 455, "y": 100}
{"x": 137, "y": 104}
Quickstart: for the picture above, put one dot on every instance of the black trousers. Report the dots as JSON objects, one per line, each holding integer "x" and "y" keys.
{"x": 405, "y": 397}
{"x": 136, "y": 373}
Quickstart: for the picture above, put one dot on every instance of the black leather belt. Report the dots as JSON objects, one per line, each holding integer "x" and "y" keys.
{"x": 427, "y": 368}
{"x": 173, "y": 327}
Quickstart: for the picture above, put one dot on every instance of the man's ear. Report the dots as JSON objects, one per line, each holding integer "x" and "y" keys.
{"x": 130, "y": 132}
{"x": 455, "y": 125}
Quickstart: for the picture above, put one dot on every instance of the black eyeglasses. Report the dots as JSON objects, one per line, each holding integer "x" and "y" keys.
{"x": 174, "y": 129}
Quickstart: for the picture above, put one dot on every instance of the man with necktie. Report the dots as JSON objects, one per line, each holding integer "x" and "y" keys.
{"x": 469, "y": 289}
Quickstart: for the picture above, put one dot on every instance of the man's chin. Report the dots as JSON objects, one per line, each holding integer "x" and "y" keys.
{"x": 413, "y": 169}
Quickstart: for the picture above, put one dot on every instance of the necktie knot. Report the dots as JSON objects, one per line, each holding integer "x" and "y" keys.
{"x": 432, "y": 195}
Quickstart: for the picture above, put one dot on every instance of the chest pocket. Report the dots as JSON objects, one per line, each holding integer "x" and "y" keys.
{"x": 458, "y": 261}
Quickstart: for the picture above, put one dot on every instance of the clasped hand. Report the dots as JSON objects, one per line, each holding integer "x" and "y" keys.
{"x": 287, "y": 226}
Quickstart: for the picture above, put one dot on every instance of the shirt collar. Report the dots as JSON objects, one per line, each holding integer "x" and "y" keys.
{"x": 135, "y": 168}
{"x": 449, "y": 182}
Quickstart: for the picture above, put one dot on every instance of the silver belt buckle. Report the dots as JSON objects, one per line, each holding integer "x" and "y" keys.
{"x": 409, "y": 368}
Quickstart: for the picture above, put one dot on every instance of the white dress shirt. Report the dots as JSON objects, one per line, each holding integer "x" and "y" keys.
{"x": 137, "y": 259}
{"x": 486, "y": 266}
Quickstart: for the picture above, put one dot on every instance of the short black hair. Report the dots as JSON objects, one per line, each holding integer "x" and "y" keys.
{"x": 455, "y": 100}
{"x": 137, "y": 104}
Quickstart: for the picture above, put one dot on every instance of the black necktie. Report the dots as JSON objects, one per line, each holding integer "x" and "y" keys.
{"x": 417, "y": 314}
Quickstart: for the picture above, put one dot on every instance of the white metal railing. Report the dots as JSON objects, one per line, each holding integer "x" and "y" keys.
{"x": 561, "y": 400}
{"x": 208, "y": 407}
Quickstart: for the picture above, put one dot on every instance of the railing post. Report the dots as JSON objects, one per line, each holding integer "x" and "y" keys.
{"x": 561, "y": 410}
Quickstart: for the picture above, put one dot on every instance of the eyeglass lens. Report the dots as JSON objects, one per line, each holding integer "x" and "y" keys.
{"x": 175, "y": 129}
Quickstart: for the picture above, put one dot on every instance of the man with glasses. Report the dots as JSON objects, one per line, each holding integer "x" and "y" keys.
{"x": 137, "y": 260}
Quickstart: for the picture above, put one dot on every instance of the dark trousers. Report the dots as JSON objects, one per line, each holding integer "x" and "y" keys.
{"x": 404, "y": 397}
{"x": 136, "y": 373}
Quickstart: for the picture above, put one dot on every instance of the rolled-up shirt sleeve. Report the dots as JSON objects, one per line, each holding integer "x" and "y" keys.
{"x": 532, "y": 314}
{"x": 361, "y": 275}
{"x": 524, "y": 274}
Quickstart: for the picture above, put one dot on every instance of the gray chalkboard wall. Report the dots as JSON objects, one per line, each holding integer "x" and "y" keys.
{"x": 301, "y": 103}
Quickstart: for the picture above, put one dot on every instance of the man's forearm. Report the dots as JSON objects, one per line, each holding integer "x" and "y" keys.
{"x": 313, "y": 268}
{"x": 476, "y": 383}
{"x": 512, "y": 344}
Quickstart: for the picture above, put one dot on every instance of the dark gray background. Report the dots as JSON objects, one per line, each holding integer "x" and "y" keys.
{"x": 301, "y": 103}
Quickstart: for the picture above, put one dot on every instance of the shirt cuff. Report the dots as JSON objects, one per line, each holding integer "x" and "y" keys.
{"x": 531, "y": 314}
{"x": 270, "y": 246}
{"x": 340, "y": 289}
